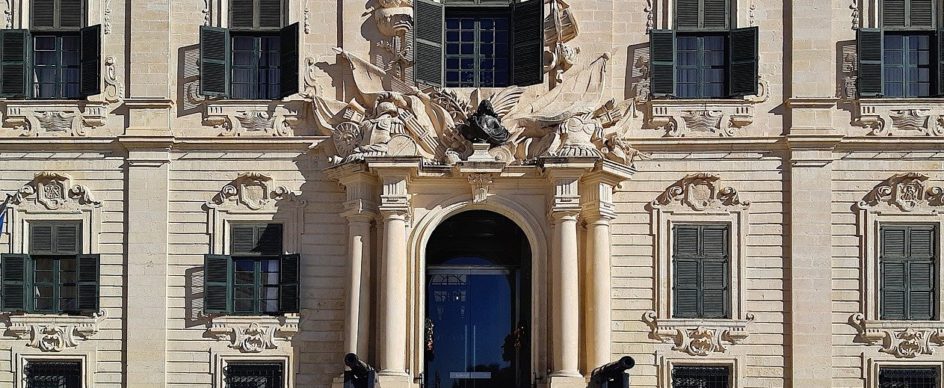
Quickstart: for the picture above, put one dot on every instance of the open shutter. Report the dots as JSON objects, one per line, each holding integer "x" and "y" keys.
{"x": 428, "y": 42}
{"x": 215, "y": 54}
{"x": 871, "y": 83}
{"x": 217, "y": 284}
{"x": 15, "y": 280}
{"x": 288, "y": 283}
{"x": 90, "y": 69}
{"x": 88, "y": 282}
{"x": 288, "y": 62}
{"x": 14, "y": 54}
{"x": 893, "y": 13}
{"x": 662, "y": 57}
{"x": 241, "y": 14}
{"x": 715, "y": 14}
{"x": 742, "y": 72}
{"x": 528, "y": 52}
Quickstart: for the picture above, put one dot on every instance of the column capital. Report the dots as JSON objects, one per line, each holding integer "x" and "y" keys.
{"x": 564, "y": 214}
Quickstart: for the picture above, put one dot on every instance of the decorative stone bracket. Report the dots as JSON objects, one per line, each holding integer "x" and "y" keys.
{"x": 698, "y": 337}
{"x": 900, "y": 117}
{"x": 254, "y": 334}
{"x": 54, "y": 118}
{"x": 902, "y": 339}
{"x": 908, "y": 192}
{"x": 54, "y": 333}
{"x": 253, "y": 118}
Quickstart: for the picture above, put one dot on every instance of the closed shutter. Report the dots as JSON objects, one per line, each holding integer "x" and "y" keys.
{"x": 269, "y": 239}
{"x": 289, "y": 283}
{"x": 742, "y": 71}
{"x": 43, "y": 13}
{"x": 685, "y": 290}
{"x": 14, "y": 51}
{"x": 41, "y": 239}
{"x": 662, "y": 54}
{"x": 528, "y": 53}
{"x": 15, "y": 280}
{"x": 893, "y": 13}
{"x": 288, "y": 62}
{"x": 90, "y": 69}
{"x": 715, "y": 14}
{"x": 217, "y": 284}
{"x": 922, "y": 13}
{"x": 871, "y": 83}
{"x": 687, "y": 14}
{"x": 270, "y": 14}
{"x": 893, "y": 290}
{"x": 907, "y": 266}
{"x": 921, "y": 284}
{"x": 256, "y": 240}
{"x": 243, "y": 239}
{"x": 939, "y": 62}
{"x": 701, "y": 287}
{"x": 55, "y": 239}
{"x": 215, "y": 54}
{"x": 71, "y": 14}
{"x": 428, "y": 42}
{"x": 87, "y": 282}
{"x": 242, "y": 13}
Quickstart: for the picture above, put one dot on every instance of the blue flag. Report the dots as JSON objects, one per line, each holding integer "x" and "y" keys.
{"x": 3, "y": 214}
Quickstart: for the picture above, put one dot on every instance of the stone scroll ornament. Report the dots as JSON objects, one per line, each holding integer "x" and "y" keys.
{"x": 388, "y": 118}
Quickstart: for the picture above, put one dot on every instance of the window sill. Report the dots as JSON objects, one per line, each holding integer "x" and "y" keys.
{"x": 901, "y": 116}
{"x": 253, "y": 117}
{"x": 54, "y": 117}
{"x": 255, "y": 333}
{"x": 902, "y": 339}
{"x": 698, "y": 337}
{"x": 54, "y": 332}
{"x": 701, "y": 117}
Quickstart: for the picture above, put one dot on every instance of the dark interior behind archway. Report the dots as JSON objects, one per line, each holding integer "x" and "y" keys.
{"x": 465, "y": 238}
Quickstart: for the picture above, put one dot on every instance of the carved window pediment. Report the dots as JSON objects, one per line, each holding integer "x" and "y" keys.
{"x": 907, "y": 192}
{"x": 54, "y": 333}
{"x": 252, "y": 191}
{"x": 900, "y": 117}
{"x": 254, "y": 334}
{"x": 698, "y": 337}
{"x": 700, "y": 192}
{"x": 54, "y": 192}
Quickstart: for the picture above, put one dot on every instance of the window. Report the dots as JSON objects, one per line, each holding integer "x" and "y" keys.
{"x": 908, "y": 268}
{"x": 701, "y": 377}
{"x": 902, "y": 377}
{"x": 897, "y": 59}
{"x": 53, "y": 374}
{"x": 56, "y": 58}
{"x": 256, "y": 58}
{"x": 700, "y": 266}
{"x": 54, "y": 277}
{"x": 474, "y": 43}
{"x": 253, "y": 375}
{"x": 703, "y": 57}
{"x": 256, "y": 278}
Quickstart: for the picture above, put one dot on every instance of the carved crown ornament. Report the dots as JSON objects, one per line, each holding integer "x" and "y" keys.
{"x": 53, "y": 333}
{"x": 700, "y": 192}
{"x": 254, "y": 334}
{"x": 908, "y": 192}
{"x": 432, "y": 123}
{"x": 253, "y": 191}
{"x": 902, "y": 339}
{"x": 698, "y": 337}
{"x": 52, "y": 191}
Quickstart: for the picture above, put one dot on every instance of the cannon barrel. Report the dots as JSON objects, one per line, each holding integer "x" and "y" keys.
{"x": 616, "y": 367}
{"x": 359, "y": 368}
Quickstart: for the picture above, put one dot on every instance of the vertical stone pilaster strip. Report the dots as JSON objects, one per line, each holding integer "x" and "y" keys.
{"x": 360, "y": 211}
{"x": 565, "y": 266}
{"x": 394, "y": 210}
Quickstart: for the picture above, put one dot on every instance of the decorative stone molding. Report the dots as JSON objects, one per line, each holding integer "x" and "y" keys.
{"x": 8, "y": 14}
{"x": 480, "y": 184}
{"x": 902, "y": 339}
{"x": 698, "y": 337}
{"x": 106, "y": 18}
{"x": 854, "y": 6}
{"x": 206, "y": 12}
{"x": 254, "y": 334}
{"x": 114, "y": 90}
{"x": 54, "y": 118}
{"x": 52, "y": 191}
{"x": 700, "y": 192}
{"x": 253, "y": 190}
{"x": 850, "y": 72}
{"x": 54, "y": 333}
{"x": 311, "y": 86}
{"x": 908, "y": 192}
{"x": 251, "y": 118}
{"x": 700, "y": 118}
{"x": 900, "y": 117}
{"x": 394, "y": 21}
{"x": 307, "y": 20}
{"x": 650, "y": 22}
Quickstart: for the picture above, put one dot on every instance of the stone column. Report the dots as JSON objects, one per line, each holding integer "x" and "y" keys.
{"x": 394, "y": 210}
{"x": 360, "y": 211}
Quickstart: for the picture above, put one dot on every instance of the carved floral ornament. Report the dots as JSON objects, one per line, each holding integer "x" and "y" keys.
{"x": 53, "y": 191}
{"x": 695, "y": 337}
{"x": 907, "y": 192}
{"x": 253, "y": 334}
{"x": 700, "y": 192}
{"x": 901, "y": 339}
{"x": 54, "y": 334}
{"x": 254, "y": 191}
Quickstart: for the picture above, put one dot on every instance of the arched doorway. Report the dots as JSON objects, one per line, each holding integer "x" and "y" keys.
{"x": 478, "y": 303}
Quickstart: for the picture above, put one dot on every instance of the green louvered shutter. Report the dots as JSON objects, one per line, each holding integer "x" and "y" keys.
{"x": 288, "y": 52}
{"x": 15, "y": 279}
{"x": 217, "y": 284}
{"x": 55, "y": 239}
{"x": 215, "y": 54}
{"x": 43, "y": 13}
{"x": 90, "y": 68}
{"x": 428, "y": 42}
{"x": 714, "y": 272}
{"x": 528, "y": 49}
{"x": 687, "y": 14}
{"x": 270, "y": 14}
{"x": 14, "y": 72}
{"x": 907, "y": 265}
{"x": 87, "y": 293}
{"x": 685, "y": 290}
{"x": 41, "y": 239}
{"x": 241, "y": 14}
{"x": 701, "y": 272}
{"x": 921, "y": 13}
{"x": 715, "y": 14}
{"x": 742, "y": 70}
{"x": 662, "y": 58}
{"x": 893, "y": 13}
{"x": 871, "y": 80}
{"x": 71, "y": 14}
{"x": 289, "y": 283}
{"x": 254, "y": 240}
{"x": 939, "y": 61}
{"x": 269, "y": 239}
{"x": 921, "y": 271}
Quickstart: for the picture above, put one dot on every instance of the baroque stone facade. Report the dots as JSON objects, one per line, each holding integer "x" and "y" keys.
{"x": 362, "y": 164}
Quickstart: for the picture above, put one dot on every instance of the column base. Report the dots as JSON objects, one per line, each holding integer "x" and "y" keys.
{"x": 395, "y": 381}
{"x": 566, "y": 381}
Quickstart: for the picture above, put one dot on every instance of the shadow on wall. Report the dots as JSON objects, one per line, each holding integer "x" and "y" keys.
{"x": 188, "y": 89}
{"x": 847, "y": 74}
{"x": 637, "y": 72}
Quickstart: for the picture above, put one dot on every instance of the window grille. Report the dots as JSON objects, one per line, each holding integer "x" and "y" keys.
{"x": 53, "y": 374}
{"x": 701, "y": 377}
{"x": 896, "y": 377}
{"x": 254, "y": 375}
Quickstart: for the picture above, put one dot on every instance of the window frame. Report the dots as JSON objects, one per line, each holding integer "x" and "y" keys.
{"x": 701, "y": 259}
{"x": 79, "y": 377}
{"x": 937, "y": 370}
{"x": 22, "y": 356}
{"x": 257, "y": 36}
{"x": 283, "y": 355}
{"x": 231, "y": 364}
{"x": 700, "y": 67}
{"x": 735, "y": 363}
{"x": 935, "y": 277}
{"x": 477, "y": 12}
{"x": 34, "y": 84}
{"x": 905, "y": 66}
{"x": 727, "y": 369}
